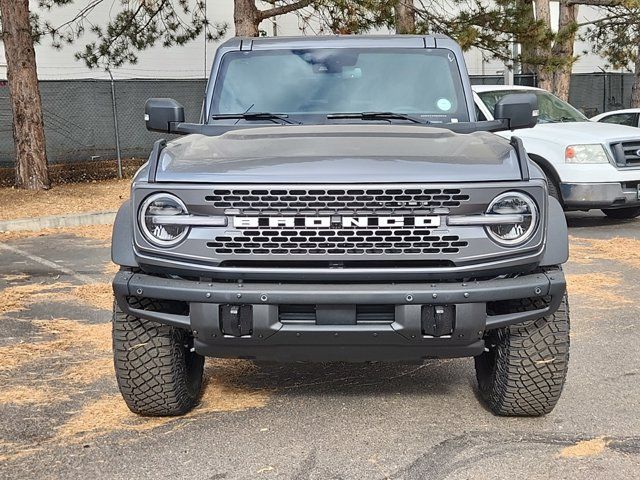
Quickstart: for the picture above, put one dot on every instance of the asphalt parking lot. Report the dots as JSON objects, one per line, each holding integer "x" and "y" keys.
{"x": 61, "y": 415}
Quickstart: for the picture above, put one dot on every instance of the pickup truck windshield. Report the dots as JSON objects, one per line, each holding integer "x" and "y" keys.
{"x": 312, "y": 83}
{"x": 552, "y": 109}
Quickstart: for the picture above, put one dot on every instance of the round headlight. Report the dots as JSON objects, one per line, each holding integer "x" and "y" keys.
{"x": 155, "y": 219}
{"x": 520, "y": 207}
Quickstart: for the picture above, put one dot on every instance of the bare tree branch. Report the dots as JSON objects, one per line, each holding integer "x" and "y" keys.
{"x": 80, "y": 15}
{"x": 282, "y": 9}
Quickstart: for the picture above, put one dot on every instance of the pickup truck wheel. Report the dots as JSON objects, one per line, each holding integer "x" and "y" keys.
{"x": 157, "y": 373}
{"x": 622, "y": 213}
{"x": 524, "y": 369}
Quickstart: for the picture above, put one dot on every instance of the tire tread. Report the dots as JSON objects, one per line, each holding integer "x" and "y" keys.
{"x": 151, "y": 364}
{"x": 531, "y": 361}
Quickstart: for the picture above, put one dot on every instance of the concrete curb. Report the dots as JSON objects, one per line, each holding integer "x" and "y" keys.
{"x": 58, "y": 221}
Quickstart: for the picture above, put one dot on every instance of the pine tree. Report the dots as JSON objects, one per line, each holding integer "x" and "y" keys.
{"x": 137, "y": 25}
{"x": 493, "y": 27}
{"x": 247, "y": 16}
{"x": 346, "y": 17}
{"x": 616, "y": 37}
{"x": 28, "y": 126}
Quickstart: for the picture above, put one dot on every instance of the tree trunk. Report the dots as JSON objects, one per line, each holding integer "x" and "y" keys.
{"x": 246, "y": 18}
{"x": 26, "y": 106}
{"x": 543, "y": 52}
{"x": 527, "y": 44}
{"x": 635, "y": 90}
{"x": 563, "y": 49}
{"x": 405, "y": 17}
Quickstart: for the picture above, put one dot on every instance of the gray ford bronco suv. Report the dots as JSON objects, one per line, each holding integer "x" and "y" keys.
{"x": 339, "y": 201}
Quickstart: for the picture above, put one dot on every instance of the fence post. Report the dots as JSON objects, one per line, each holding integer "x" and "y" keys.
{"x": 115, "y": 122}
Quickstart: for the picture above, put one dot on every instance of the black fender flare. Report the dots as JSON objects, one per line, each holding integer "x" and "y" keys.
{"x": 557, "y": 247}
{"x": 547, "y": 168}
{"x": 122, "y": 238}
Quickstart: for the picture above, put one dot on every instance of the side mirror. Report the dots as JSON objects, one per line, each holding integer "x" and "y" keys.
{"x": 161, "y": 113}
{"x": 519, "y": 110}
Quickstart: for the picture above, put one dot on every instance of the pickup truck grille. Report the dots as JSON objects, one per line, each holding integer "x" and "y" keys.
{"x": 627, "y": 154}
{"x": 372, "y": 241}
{"x": 321, "y": 201}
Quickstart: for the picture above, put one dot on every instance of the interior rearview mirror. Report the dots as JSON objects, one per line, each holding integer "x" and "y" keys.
{"x": 161, "y": 113}
{"x": 519, "y": 110}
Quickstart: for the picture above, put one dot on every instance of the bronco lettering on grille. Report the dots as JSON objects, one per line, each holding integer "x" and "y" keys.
{"x": 431, "y": 221}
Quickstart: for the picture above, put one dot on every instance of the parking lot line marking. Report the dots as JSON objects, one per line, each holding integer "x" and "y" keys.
{"x": 48, "y": 263}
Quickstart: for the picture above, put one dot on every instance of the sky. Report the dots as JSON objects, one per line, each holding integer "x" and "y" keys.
{"x": 191, "y": 61}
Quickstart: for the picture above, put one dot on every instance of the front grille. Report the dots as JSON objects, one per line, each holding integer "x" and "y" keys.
{"x": 332, "y": 201}
{"x": 354, "y": 240}
{"x": 627, "y": 154}
{"x": 274, "y": 228}
{"x": 310, "y": 241}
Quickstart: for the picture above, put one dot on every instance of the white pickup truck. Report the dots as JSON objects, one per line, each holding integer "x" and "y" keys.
{"x": 589, "y": 165}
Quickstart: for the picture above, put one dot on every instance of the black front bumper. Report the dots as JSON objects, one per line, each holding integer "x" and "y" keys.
{"x": 402, "y": 339}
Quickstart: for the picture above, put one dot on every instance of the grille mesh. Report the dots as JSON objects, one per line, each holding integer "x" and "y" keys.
{"x": 328, "y": 201}
{"x": 331, "y": 201}
{"x": 626, "y": 153}
{"x": 336, "y": 242}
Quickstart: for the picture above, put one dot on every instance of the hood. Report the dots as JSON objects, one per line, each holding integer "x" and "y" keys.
{"x": 339, "y": 154}
{"x": 573, "y": 133}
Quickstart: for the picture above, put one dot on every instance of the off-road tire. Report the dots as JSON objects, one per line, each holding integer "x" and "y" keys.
{"x": 622, "y": 213}
{"x": 524, "y": 369}
{"x": 157, "y": 373}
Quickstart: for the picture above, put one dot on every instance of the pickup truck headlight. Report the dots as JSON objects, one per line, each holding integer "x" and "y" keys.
{"x": 585, "y": 154}
{"x": 154, "y": 219}
{"x": 525, "y": 213}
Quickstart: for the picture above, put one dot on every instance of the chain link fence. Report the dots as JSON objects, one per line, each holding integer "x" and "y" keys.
{"x": 523, "y": 80}
{"x": 592, "y": 93}
{"x": 80, "y": 122}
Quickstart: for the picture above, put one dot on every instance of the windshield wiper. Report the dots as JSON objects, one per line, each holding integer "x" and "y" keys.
{"x": 274, "y": 117}
{"x": 379, "y": 116}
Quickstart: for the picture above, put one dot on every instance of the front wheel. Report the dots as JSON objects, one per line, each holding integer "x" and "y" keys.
{"x": 622, "y": 213}
{"x": 524, "y": 368}
{"x": 157, "y": 373}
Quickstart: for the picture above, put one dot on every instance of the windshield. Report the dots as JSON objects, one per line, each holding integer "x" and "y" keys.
{"x": 322, "y": 81}
{"x": 552, "y": 109}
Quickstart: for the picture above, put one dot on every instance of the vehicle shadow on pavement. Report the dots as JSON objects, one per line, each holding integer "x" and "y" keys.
{"x": 355, "y": 379}
{"x": 592, "y": 220}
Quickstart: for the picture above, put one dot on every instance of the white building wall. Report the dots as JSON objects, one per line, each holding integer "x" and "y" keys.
{"x": 189, "y": 61}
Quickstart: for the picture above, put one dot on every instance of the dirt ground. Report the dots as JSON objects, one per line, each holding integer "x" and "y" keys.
{"x": 102, "y": 196}
{"x": 61, "y": 415}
